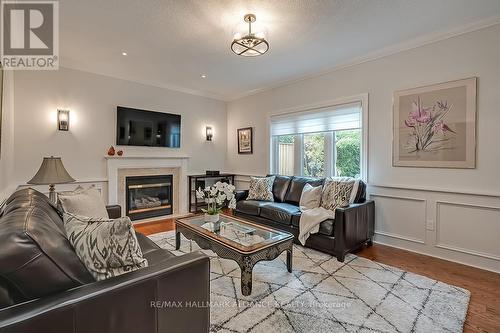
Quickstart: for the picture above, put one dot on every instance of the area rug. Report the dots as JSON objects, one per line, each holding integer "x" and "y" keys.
{"x": 324, "y": 295}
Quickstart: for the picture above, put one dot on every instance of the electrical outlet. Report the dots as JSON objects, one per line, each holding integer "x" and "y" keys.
{"x": 430, "y": 225}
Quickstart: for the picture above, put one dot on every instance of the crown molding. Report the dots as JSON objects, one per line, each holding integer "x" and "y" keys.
{"x": 378, "y": 54}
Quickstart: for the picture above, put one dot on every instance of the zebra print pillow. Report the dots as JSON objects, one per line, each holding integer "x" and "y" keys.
{"x": 106, "y": 247}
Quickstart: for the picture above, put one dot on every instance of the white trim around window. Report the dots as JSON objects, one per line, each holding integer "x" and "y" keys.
{"x": 298, "y": 165}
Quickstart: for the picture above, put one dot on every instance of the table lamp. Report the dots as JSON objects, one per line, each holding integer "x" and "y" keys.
{"x": 51, "y": 172}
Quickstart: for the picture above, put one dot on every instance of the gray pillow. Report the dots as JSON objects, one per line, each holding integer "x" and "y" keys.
{"x": 84, "y": 202}
{"x": 106, "y": 247}
{"x": 261, "y": 188}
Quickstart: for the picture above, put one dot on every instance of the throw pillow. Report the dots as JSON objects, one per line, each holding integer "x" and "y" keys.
{"x": 106, "y": 247}
{"x": 84, "y": 202}
{"x": 337, "y": 192}
{"x": 310, "y": 198}
{"x": 261, "y": 188}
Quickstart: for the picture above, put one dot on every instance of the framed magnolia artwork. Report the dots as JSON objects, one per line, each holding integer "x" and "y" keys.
{"x": 435, "y": 126}
{"x": 245, "y": 140}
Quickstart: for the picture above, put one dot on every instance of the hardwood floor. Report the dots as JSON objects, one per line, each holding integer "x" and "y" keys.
{"x": 149, "y": 228}
{"x": 484, "y": 308}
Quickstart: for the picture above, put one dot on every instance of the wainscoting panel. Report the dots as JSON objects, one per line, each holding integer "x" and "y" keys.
{"x": 460, "y": 227}
{"x": 392, "y": 210}
{"x": 242, "y": 182}
{"x": 468, "y": 228}
{"x": 100, "y": 184}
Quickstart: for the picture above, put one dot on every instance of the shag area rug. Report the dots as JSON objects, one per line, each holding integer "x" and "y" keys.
{"x": 324, "y": 295}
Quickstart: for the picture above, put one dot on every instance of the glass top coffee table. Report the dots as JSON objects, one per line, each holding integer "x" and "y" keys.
{"x": 236, "y": 239}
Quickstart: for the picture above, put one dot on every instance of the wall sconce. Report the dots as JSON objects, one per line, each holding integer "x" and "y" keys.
{"x": 63, "y": 120}
{"x": 209, "y": 132}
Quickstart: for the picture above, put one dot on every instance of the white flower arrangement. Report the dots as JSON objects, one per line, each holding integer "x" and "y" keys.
{"x": 215, "y": 196}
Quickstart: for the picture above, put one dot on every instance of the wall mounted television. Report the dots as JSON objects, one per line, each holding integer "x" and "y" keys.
{"x": 135, "y": 127}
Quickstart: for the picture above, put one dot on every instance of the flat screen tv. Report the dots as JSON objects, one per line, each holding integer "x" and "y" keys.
{"x": 135, "y": 127}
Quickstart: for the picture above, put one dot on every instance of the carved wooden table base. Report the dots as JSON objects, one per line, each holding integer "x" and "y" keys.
{"x": 246, "y": 261}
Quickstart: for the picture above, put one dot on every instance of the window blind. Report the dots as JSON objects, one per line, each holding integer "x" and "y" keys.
{"x": 334, "y": 118}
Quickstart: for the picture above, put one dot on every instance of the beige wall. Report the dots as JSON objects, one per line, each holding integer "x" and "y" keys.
{"x": 416, "y": 207}
{"x": 92, "y": 101}
{"x": 454, "y": 214}
{"x": 7, "y": 149}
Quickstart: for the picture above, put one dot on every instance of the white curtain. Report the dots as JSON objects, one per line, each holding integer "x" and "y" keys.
{"x": 334, "y": 118}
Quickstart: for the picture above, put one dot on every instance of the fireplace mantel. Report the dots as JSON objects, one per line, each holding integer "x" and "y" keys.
{"x": 116, "y": 163}
{"x": 146, "y": 157}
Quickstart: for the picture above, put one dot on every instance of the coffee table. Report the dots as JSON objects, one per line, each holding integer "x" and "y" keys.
{"x": 236, "y": 239}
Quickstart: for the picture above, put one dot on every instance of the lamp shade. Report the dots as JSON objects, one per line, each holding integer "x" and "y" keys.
{"x": 51, "y": 171}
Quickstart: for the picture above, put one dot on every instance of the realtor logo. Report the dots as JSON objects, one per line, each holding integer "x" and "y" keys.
{"x": 30, "y": 35}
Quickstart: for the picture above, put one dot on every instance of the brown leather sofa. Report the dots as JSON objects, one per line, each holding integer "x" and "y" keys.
{"x": 352, "y": 227}
{"x": 44, "y": 287}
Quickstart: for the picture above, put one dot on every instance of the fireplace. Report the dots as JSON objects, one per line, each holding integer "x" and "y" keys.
{"x": 148, "y": 196}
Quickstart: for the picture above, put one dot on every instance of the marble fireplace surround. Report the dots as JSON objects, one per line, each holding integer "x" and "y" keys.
{"x": 119, "y": 168}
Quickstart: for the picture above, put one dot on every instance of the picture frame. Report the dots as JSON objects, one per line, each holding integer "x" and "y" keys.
{"x": 434, "y": 126}
{"x": 245, "y": 140}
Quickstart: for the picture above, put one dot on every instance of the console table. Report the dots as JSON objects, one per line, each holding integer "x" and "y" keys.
{"x": 197, "y": 181}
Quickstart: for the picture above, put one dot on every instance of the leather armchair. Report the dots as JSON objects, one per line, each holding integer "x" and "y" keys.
{"x": 171, "y": 296}
{"x": 44, "y": 287}
{"x": 114, "y": 211}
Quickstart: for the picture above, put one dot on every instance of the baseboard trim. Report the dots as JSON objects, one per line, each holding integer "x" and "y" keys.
{"x": 438, "y": 257}
{"x": 408, "y": 239}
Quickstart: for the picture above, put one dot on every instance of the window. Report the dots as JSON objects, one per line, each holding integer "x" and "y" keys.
{"x": 286, "y": 154}
{"x": 348, "y": 153}
{"x": 314, "y": 155}
{"x": 319, "y": 143}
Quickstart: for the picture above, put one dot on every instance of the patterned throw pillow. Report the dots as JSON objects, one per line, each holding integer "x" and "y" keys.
{"x": 106, "y": 247}
{"x": 261, "y": 188}
{"x": 337, "y": 192}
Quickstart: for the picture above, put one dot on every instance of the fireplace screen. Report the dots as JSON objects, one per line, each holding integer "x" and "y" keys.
{"x": 148, "y": 196}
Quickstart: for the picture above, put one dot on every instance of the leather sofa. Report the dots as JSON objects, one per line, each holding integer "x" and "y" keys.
{"x": 352, "y": 227}
{"x": 44, "y": 287}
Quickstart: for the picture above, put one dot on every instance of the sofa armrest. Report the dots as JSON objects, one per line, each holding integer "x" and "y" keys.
{"x": 172, "y": 296}
{"x": 114, "y": 211}
{"x": 354, "y": 225}
{"x": 241, "y": 195}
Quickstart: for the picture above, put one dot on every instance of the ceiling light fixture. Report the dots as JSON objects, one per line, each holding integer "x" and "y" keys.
{"x": 124, "y": 53}
{"x": 203, "y": 76}
{"x": 252, "y": 44}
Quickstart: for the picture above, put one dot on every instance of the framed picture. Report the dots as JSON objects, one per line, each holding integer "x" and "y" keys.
{"x": 245, "y": 140}
{"x": 435, "y": 126}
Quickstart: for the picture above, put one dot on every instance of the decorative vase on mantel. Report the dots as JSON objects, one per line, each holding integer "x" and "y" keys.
{"x": 111, "y": 151}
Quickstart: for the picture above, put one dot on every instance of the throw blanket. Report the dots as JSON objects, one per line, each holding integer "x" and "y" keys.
{"x": 337, "y": 192}
{"x": 310, "y": 221}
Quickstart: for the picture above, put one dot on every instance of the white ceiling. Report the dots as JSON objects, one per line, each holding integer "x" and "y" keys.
{"x": 170, "y": 43}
